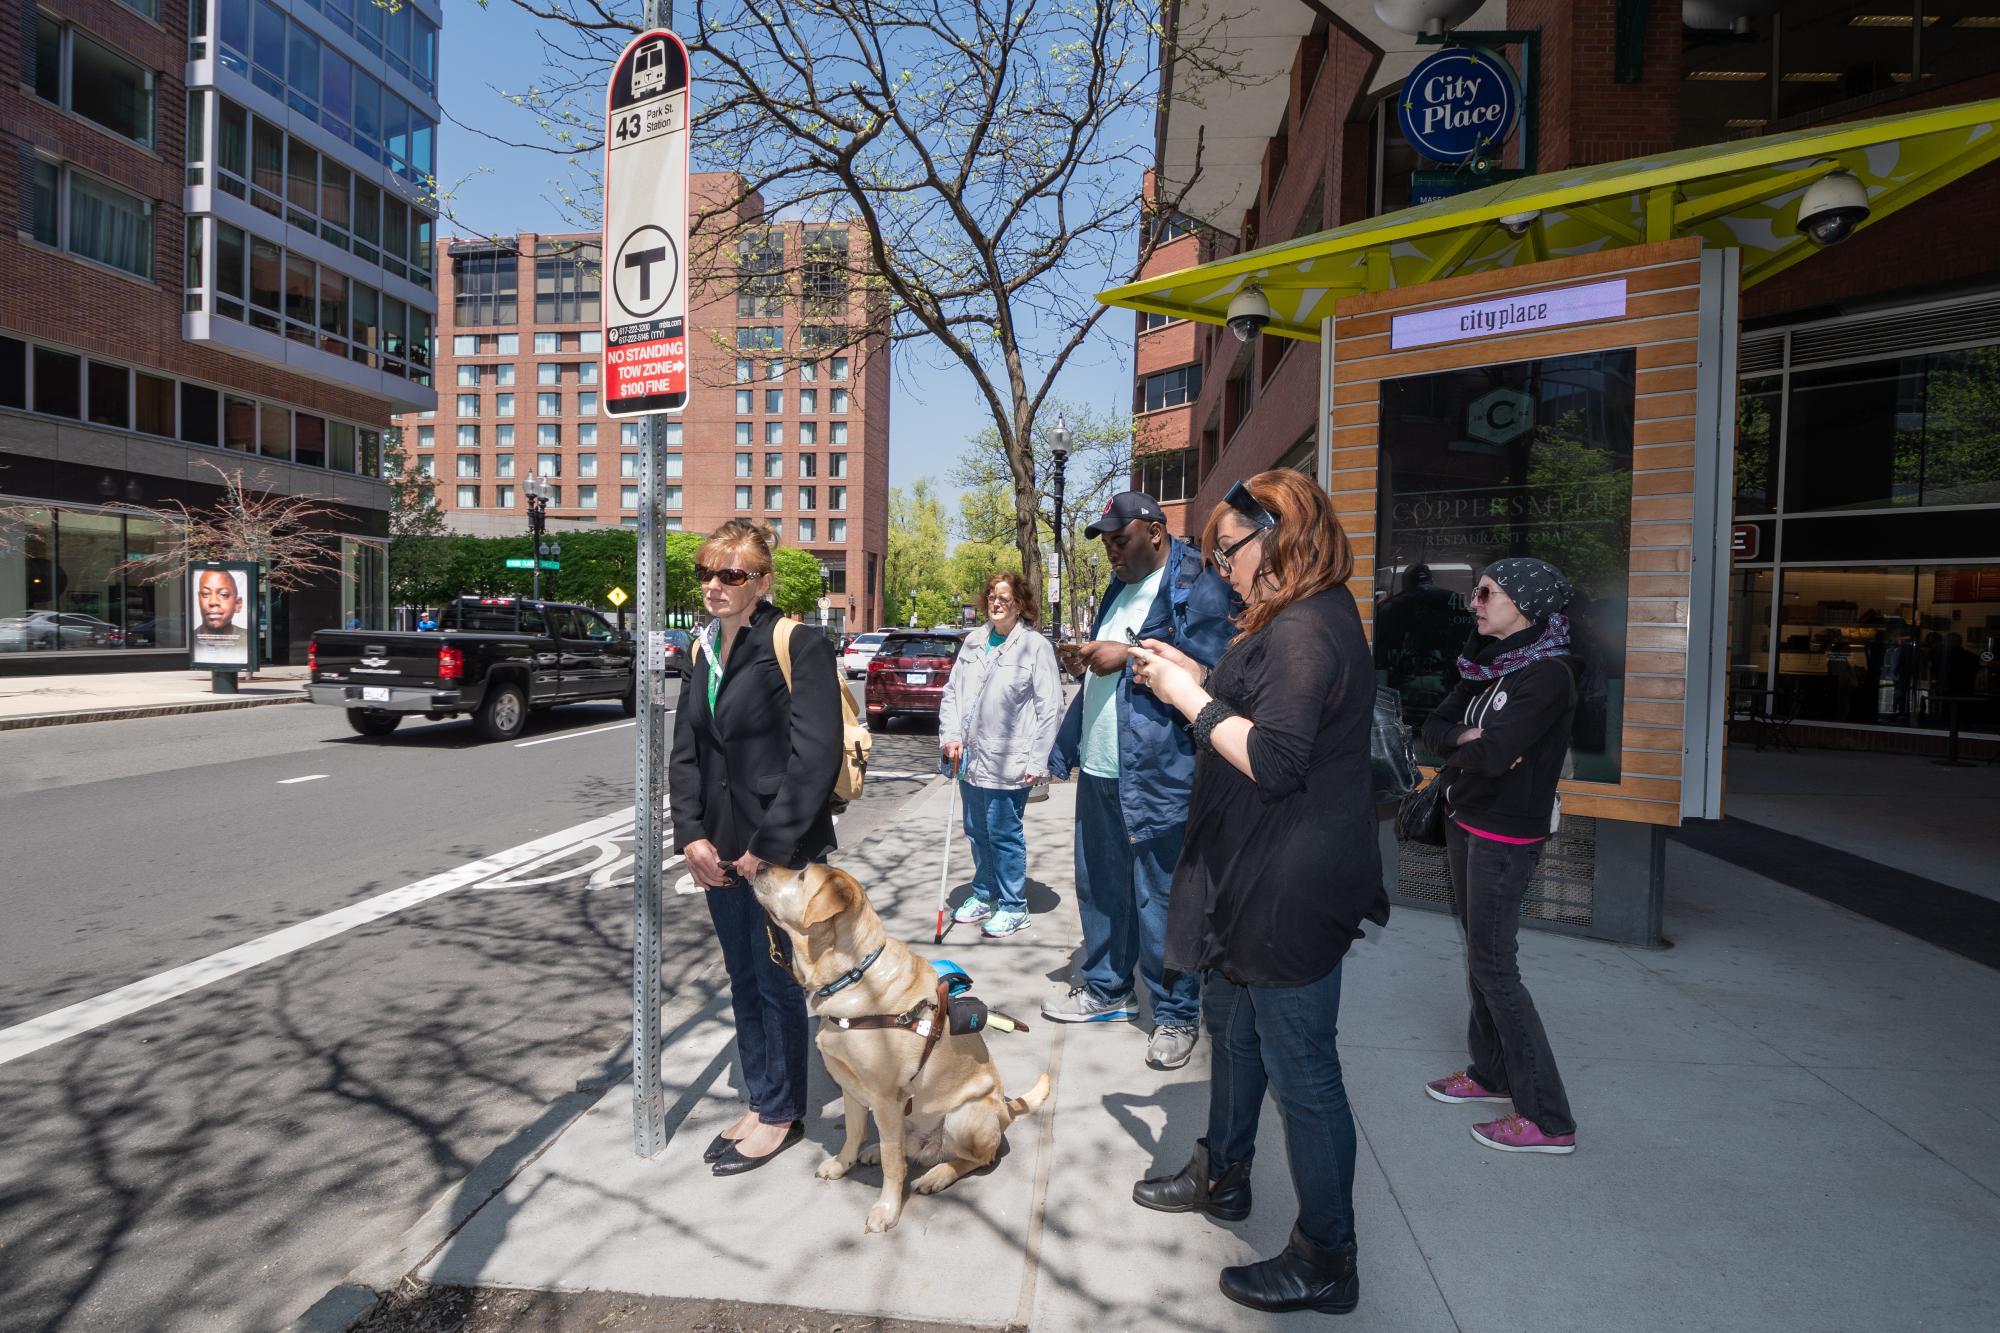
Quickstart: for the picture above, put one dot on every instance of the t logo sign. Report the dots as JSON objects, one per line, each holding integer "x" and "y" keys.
{"x": 648, "y": 271}
{"x": 644, "y": 261}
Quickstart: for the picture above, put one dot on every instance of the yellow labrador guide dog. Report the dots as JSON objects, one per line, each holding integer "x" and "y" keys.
{"x": 937, "y": 1098}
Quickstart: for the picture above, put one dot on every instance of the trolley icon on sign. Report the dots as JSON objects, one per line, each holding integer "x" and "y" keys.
{"x": 649, "y": 70}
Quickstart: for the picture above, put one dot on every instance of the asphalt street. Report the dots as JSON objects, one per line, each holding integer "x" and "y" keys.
{"x": 269, "y": 989}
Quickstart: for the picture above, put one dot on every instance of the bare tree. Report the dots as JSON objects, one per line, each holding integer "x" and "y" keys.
{"x": 987, "y": 154}
{"x": 285, "y": 534}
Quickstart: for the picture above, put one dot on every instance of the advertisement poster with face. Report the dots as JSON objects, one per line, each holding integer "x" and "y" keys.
{"x": 223, "y": 598}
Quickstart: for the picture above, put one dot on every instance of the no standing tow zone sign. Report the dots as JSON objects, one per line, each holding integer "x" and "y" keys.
{"x": 646, "y": 228}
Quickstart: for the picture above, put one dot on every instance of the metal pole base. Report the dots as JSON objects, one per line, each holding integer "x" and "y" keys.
{"x": 222, "y": 682}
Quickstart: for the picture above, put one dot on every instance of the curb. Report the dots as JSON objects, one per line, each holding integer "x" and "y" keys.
{"x": 145, "y": 710}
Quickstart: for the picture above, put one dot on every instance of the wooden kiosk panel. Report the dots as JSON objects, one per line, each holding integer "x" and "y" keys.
{"x": 1661, "y": 324}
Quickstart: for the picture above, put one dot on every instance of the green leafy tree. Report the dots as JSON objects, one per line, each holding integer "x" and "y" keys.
{"x": 1099, "y": 466}
{"x": 419, "y": 545}
{"x": 916, "y": 569}
{"x": 795, "y": 585}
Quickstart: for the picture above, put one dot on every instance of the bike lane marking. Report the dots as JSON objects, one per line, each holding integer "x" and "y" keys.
{"x": 59, "y": 1025}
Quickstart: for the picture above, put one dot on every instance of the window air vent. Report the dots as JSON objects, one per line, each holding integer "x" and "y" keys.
{"x": 1761, "y": 354}
{"x": 1944, "y": 326}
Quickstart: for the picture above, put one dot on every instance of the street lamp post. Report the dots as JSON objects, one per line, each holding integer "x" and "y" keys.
{"x": 825, "y": 590}
{"x": 537, "y": 491}
{"x": 1061, "y": 455}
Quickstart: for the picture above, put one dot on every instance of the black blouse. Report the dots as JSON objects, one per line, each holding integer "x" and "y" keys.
{"x": 1278, "y": 874}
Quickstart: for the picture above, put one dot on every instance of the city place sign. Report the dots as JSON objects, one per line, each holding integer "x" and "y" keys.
{"x": 1528, "y": 313}
{"x": 1458, "y": 105}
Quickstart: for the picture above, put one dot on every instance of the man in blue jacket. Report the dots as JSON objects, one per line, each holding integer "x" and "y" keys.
{"x": 1136, "y": 767}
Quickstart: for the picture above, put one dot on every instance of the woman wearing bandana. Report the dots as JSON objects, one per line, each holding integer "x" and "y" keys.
{"x": 1504, "y": 733}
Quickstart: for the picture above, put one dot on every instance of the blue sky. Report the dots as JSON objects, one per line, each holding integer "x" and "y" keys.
{"x": 498, "y": 189}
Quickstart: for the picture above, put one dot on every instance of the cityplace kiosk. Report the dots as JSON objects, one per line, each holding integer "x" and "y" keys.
{"x": 1547, "y": 367}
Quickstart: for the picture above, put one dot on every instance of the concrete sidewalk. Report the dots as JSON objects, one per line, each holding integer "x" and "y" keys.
{"x": 44, "y": 701}
{"x": 1785, "y": 1124}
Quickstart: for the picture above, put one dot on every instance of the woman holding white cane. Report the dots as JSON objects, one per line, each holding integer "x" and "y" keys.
{"x": 996, "y": 725}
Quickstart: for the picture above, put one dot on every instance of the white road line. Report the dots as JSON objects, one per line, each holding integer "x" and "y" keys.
{"x": 572, "y": 735}
{"x": 37, "y": 1033}
{"x": 310, "y": 777}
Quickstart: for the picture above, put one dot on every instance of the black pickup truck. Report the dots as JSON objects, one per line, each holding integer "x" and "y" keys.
{"x": 493, "y": 657}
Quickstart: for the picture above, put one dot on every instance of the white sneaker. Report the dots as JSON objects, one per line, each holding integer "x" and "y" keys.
{"x": 972, "y": 909}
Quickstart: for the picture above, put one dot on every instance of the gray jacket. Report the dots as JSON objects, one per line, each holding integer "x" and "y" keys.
{"x": 1004, "y": 703}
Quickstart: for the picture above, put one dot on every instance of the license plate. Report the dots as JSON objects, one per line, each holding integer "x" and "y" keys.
{"x": 917, "y": 677}
{"x": 375, "y": 694}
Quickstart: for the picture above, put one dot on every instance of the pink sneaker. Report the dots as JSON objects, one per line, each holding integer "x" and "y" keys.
{"x": 1460, "y": 1087}
{"x": 1517, "y": 1133}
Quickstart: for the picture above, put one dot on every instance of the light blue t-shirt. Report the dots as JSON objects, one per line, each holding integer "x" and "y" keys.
{"x": 1100, "y": 693}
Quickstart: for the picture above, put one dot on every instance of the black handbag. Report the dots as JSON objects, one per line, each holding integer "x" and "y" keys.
{"x": 1420, "y": 817}
{"x": 1392, "y": 756}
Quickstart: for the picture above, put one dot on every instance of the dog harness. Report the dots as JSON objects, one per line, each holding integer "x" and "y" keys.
{"x": 929, "y": 1018}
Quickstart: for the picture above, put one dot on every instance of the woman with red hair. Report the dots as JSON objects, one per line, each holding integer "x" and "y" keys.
{"x": 1280, "y": 870}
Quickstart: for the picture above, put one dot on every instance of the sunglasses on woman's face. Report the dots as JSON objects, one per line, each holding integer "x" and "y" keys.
{"x": 1224, "y": 554}
{"x": 730, "y": 578}
{"x": 1483, "y": 593}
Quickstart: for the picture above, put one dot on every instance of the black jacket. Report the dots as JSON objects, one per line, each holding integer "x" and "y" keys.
{"x": 758, "y": 774}
{"x": 1278, "y": 874}
{"x": 1525, "y": 715}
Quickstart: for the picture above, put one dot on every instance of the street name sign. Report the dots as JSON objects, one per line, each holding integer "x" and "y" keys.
{"x": 530, "y": 564}
{"x": 646, "y": 228}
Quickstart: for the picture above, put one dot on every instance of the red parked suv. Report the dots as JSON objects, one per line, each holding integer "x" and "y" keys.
{"x": 906, "y": 677}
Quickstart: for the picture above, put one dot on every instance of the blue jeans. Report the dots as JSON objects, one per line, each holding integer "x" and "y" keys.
{"x": 1121, "y": 893}
{"x": 1283, "y": 1038}
{"x": 999, "y": 847}
{"x": 770, "y": 1008}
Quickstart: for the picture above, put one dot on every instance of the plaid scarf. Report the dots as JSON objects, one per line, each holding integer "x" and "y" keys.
{"x": 1552, "y": 642}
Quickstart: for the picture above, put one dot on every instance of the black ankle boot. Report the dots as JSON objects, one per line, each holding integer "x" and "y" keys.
{"x": 1193, "y": 1190}
{"x": 1305, "y": 1277}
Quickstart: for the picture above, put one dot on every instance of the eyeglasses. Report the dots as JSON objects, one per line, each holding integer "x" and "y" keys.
{"x": 1483, "y": 593}
{"x": 730, "y": 578}
{"x": 999, "y": 599}
{"x": 1225, "y": 554}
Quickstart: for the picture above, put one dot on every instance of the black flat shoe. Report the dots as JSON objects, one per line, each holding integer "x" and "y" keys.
{"x": 717, "y": 1146}
{"x": 734, "y": 1163}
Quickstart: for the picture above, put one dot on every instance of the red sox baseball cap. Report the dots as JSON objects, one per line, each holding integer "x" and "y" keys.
{"x": 1125, "y": 507}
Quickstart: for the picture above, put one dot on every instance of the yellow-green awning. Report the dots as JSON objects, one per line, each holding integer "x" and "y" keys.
{"x": 1744, "y": 195}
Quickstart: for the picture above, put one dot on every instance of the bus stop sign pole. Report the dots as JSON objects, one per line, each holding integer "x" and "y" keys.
{"x": 645, "y": 376}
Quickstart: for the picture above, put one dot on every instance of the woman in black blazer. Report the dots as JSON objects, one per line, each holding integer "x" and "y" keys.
{"x": 752, "y": 780}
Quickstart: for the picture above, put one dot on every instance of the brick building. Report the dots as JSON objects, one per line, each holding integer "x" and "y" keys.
{"x": 220, "y": 256}
{"x": 784, "y": 422}
{"x": 1872, "y": 482}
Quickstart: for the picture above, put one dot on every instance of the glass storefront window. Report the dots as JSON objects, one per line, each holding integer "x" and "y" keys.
{"x": 1529, "y": 458}
{"x": 364, "y": 584}
{"x": 1749, "y": 628}
{"x": 1918, "y": 430}
{"x": 155, "y": 613}
{"x": 1890, "y": 645}
{"x": 1760, "y": 407}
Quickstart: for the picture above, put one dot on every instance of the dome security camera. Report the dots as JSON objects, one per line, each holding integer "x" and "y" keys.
{"x": 1248, "y": 314}
{"x": 1836, "y": 204}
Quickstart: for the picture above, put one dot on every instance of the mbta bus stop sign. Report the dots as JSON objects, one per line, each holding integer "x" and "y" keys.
{"x": 646, "y": 228}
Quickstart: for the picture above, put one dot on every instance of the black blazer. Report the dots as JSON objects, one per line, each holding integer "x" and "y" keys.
{"x": 757, "y": 775}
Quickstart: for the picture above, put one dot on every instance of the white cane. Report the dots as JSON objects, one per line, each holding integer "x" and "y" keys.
{"x": 944, "y": 871}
